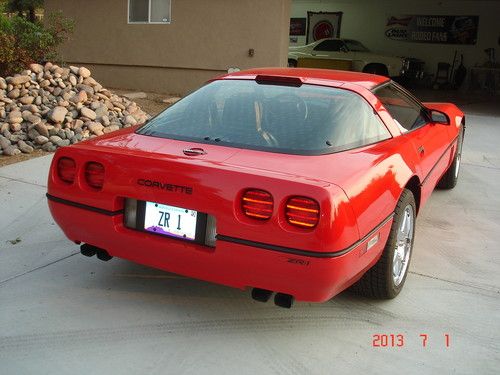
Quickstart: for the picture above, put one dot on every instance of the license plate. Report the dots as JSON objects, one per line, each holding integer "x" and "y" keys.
{"x": 170, "y": 220}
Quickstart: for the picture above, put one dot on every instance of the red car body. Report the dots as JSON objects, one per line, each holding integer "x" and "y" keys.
{"x": 357, "y": 191}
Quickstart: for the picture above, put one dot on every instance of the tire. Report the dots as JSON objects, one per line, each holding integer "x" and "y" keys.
{"x": 379, "y": 69}
{"x": 450, "y": 177}
{"x": 387, "y": 277}
{"x": 292, "y": 63}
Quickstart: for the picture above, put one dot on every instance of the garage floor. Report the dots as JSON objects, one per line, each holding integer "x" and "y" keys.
{"x": 63, "y": 313}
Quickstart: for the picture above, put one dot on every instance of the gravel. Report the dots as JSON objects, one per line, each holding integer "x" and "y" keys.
{"x": 47, "y": 107}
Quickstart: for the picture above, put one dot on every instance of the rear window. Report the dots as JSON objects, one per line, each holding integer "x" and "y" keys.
{"x": 305, "y": 120}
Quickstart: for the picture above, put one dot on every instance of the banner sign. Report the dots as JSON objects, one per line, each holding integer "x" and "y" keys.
{"x": 297, "y": 26}
{"x": 433, "y": 29}
{"x": 322, "y": 25}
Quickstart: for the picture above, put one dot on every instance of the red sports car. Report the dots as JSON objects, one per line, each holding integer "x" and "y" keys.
{"x": 298, "y": 182}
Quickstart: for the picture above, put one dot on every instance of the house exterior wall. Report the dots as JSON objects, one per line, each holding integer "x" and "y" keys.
{"x": 202, "y": 41}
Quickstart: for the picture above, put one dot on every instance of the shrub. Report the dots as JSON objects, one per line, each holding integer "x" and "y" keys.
{"x": 23, "y": 42}
{"x": 12, "y": 58}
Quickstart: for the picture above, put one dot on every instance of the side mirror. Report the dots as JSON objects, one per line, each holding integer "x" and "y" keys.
{"x": 344, "y": 49}
{"x": 439, "y": 117}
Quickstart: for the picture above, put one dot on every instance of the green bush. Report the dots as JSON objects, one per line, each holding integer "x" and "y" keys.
{"x": 23, "y": 42}
{"x": 12, "y": 58}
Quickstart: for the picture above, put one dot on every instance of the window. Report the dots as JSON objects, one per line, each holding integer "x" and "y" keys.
{"x": 355, "y": 46}
{"x": 332, "y": 45}
{"x": 405, "y": 111}
{"x": 149, "y": 11}
{"x": 305, "y": 120}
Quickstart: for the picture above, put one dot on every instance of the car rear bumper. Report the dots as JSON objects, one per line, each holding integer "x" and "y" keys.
{"x": 308, "y": 276}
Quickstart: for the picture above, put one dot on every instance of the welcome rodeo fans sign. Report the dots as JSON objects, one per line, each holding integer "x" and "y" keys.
{"x": 433, "y": 29}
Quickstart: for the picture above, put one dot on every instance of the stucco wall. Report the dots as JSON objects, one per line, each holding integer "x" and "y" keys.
{"x": 365, "y": 20}
{"x": 203, "y": 40}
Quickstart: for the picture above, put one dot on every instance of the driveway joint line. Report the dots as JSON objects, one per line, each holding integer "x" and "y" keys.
{"x": 24, "y": 182}
{"x": 481, "y": 166}
{"x": 491, "y": 290}
{"x": 2, "y": 282}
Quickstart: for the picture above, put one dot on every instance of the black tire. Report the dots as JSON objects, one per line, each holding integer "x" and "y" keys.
{"x": 450, "y": 177}
{"x": 379, "y": 69}
{"x": 292, "y": 63}
{"x": 378, "y": 281}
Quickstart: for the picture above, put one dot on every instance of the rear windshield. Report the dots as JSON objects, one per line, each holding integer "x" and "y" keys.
{"x": 305, "y": 120}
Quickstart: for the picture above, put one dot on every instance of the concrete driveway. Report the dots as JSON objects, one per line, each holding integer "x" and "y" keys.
{"x": 63, "y": 313}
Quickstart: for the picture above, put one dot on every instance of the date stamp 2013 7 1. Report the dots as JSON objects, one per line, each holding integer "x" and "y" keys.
{"x": 391, "y": 340}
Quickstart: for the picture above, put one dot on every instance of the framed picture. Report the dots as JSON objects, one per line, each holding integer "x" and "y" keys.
{"x": 322, "y": 25}
{"x": 298, "y": 26}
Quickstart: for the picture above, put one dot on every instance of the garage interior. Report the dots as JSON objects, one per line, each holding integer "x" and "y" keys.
{"x": 367, "y": 21}
{"x": 64, "y": 313}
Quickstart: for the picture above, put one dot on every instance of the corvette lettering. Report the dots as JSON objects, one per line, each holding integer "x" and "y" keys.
{"x": 165, "y": 186}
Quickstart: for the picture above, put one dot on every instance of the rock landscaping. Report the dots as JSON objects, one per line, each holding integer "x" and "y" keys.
{"x": 49, "y": 106}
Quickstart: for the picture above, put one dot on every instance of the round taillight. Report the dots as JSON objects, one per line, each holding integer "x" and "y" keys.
{"x": 257, "y": 204}
{"x": 302, "y": 212}
{"x": 94, "y": 175}
{"x": 66, "y": 170}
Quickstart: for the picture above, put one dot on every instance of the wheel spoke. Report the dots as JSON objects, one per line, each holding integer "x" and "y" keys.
{"x": 401, "y": 232}
{"x": 403, "y": 246}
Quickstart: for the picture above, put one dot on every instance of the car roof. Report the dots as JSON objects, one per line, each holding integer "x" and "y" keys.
{"x": 321, "y": 40}
{"x": 325, "y": 77}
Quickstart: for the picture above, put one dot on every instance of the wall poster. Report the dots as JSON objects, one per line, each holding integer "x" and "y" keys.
{"x": 298, "y": 26}
{"x": 433, "y": 29}
{"x": 323, "y": 25}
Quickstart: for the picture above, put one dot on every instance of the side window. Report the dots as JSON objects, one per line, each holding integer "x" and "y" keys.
{"x": 329, "y": 45}
{"x": 354, "y": 124}
{"x": 406, "y": 113}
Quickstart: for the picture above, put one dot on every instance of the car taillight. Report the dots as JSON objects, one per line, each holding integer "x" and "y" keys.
{"x": 66, "y": 170}
{"x": 302, "y": 212}
{"x": 257, "y": 204}
{"x": 94, "y": 175}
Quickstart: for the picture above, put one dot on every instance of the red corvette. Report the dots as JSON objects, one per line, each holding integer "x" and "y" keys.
{"x": 298, "y": 182}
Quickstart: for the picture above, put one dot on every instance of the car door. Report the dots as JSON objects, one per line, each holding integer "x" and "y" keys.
{"x": 427, "y": 138}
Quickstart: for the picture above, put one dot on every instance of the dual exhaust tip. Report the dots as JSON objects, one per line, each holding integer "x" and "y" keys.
{"x": 90, "y": 251}
{"x": 280, "y": 299}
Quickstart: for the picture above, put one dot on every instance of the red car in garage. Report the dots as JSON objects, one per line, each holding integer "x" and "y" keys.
{"x": 298, "y": 182}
